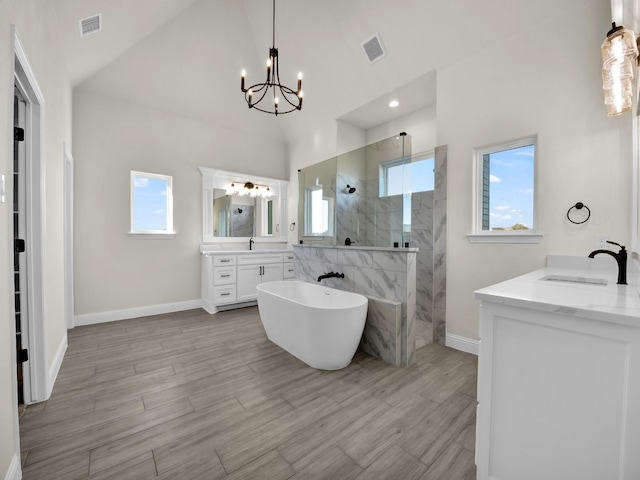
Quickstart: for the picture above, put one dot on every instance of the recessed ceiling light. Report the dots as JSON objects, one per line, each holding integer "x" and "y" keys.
{"x": 393, "y": 103}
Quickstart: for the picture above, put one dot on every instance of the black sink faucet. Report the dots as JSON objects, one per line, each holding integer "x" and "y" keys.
{"x": 331, "y": 275}
{"x": 621, "y": 258}
{"x": 251, "y": 242}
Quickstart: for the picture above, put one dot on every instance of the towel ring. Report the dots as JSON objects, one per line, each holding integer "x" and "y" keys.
{"x": 578, "y": 206}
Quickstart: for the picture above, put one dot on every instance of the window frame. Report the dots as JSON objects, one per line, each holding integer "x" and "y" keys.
{"x": 158, "y": 234}
{"x": 309, "y": 212}
{"x": 383, "y": 190}
{"x": 503, "y": 236}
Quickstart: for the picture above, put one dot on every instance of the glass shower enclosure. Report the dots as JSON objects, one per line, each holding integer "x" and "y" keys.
{"x": 362, "y": 197}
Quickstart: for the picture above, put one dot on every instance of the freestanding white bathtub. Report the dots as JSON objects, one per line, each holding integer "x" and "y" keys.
{"x": 319, "y": 325}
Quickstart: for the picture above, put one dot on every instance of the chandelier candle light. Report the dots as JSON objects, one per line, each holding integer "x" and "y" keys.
{"x": 619, "y": 56}
{"x": 293, "y": 98}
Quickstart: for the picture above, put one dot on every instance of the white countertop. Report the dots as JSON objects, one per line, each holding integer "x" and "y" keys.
{"x": 358, "y": 247}
{"x": 244, "y": 252}
{"x": 609, "y": 303}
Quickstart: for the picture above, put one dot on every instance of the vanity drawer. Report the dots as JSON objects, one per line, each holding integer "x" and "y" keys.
{"x": 259, "y": 259}
{"x": 288, "y": 270}
{"x": 289, "y": 256}
{"x": 224, "y": 275}
{"x": 224, "y": 260}
{"x": 224, "y": 294}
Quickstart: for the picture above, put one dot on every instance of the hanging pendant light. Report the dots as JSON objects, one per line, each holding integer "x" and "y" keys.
{"x": 282, "y": 99}
{"x": 619, "y": 57}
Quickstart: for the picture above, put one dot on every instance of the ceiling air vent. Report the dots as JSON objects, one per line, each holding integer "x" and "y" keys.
{"x": 373, "y": 48}
{"x": 90, "y": 24}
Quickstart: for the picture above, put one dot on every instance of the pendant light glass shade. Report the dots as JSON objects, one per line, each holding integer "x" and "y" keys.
{"x": 619, "y": 56}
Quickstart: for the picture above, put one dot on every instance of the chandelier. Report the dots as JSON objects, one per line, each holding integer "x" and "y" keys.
{"x": 285, "y": 99}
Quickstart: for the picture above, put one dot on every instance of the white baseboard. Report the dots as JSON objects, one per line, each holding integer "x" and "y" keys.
{"x": 56, "y": 364}
{"x": 14, "y": 472}
{"x": 464, "y": 344}
{"x": 114, "y": 315}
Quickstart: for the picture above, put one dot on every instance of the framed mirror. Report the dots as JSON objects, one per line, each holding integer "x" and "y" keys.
{"x": 237, "y": 206}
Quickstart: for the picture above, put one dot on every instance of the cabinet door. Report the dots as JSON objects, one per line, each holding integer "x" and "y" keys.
{"x": 248, "y": 279}
{"x": 271, "y": 273}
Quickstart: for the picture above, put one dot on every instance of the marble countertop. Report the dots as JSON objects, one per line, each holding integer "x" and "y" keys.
{"x": 244, "y": 252}
{"x": 608, "y": 302}
{"x": 358, "y": 247}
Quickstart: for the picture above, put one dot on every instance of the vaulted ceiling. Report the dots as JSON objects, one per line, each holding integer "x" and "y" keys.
{"x": 185, "y": 56}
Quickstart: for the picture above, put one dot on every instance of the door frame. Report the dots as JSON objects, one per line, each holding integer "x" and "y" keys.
{"x": 68, "y": 237}
{"x": 36, "y": 384}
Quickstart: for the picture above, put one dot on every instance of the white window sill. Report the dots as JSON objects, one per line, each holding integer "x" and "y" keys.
{"x": 155, "y": 236}
{"x": 505, "y": 237}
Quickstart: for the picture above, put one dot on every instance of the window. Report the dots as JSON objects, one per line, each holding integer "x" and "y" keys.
{"x": 151, "y": 204}
{"x": 506, "y": 188}
{"x": 319, "y": 211}
{"x": 399, "y": 177}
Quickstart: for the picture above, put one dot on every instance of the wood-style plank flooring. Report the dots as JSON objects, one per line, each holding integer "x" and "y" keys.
{"x": 197, "y": 396}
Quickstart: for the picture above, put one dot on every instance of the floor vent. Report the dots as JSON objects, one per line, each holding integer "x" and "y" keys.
{"x": 373, "y": 48}
{"x": 90, "y": 24}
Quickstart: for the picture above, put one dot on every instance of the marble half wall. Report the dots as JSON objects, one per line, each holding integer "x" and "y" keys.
{"x": 382, "y": 336}
{"x": 382, "y": 273}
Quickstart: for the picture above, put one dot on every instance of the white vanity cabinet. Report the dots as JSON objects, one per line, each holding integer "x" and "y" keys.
{"x": 254, "y": 270}
{"x": 288, "y": 272}
{"x": 231, "y": 279}
{"x": 558, "y": 381}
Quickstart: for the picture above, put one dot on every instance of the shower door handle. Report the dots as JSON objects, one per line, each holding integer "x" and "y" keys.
{"x": 19, "y": 245}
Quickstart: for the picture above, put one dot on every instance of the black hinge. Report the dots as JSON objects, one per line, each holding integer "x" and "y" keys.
{"x": 19, "y": 245}
{"x": 23, "y": 355}
{"x": 18, "y": 134}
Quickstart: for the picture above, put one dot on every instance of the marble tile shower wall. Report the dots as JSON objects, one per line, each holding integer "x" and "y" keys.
{"x": 350, "y": 211}
{"x": 440, "y": 247}
{"x": 374, "y": 273}
{"x": 422, "y": 238}
{"x": 383, "y": 217}
{"x": 242, "y": 220}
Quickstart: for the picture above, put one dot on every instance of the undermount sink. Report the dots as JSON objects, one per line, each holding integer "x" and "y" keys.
{"x": 571, "y": 279}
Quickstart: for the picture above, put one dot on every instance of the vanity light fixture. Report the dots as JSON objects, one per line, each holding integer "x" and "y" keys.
{"x": 292, "y": 99}
{"x": 249, "y": 188}
{"x": 619, "y": 59}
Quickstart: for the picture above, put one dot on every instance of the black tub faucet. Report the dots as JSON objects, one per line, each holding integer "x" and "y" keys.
{"x": 621, "y": 258}
{"x": 331, "y": 275}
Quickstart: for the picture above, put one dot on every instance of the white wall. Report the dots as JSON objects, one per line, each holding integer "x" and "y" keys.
{"x": 112, "y": 137}
{"x": 41, "y": 41}
{"x": 544, "y": 81}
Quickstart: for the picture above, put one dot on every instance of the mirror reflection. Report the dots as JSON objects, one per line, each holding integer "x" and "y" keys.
{"x": 243, "y": 216}
{"x": 239, "y": 206}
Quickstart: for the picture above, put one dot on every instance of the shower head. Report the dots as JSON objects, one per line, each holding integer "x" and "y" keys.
{"x": 350, "y": 189}
{"x": 239, "y": 210}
